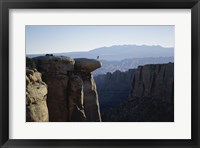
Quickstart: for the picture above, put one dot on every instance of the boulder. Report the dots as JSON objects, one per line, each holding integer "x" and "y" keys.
{"x": 86, "y": 65}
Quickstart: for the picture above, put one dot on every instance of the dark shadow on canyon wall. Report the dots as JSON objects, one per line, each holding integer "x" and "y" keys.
{"x": 62, "y": 89}
{"x": 145, "y": 94}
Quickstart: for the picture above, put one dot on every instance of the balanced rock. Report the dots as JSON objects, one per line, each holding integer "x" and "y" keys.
{"x": 86, "y": 65}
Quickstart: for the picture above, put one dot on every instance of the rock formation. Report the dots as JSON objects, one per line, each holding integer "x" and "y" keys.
{"x": 75, "y": 97}
{"x": 36, "y": 95}
{"x": 83, "y": 68}
{"x": 72, "y": 92}
{"x": 113, "y": 88}
{"x": 151, "y": 96}
{"x": 86, "y": 65}
{"x": 64, "y": 90}
{"x": 154, "y": 81}
{"x": 91, "y": 102}
{"x": 55, "y": 73}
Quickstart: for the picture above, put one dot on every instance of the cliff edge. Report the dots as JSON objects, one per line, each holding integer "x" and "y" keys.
{"x": 72, "y": 95}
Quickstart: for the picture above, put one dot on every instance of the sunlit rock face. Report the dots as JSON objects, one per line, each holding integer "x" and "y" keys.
{"x": 36, "y": 95}
{"x": 72, "y": 95}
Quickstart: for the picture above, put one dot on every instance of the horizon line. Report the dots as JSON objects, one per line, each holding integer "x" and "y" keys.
{"x": 98, "y": 48}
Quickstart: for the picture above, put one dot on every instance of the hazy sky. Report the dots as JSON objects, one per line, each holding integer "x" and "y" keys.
{"x": 57, "y": 39}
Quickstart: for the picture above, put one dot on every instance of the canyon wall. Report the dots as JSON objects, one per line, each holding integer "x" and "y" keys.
{"x": 113, "y": 88}
{"x": 154, "y": 81}
{"x": 62, "y": 89}
{"x": 72, "y": 95}
{"x": 151, "y": 97}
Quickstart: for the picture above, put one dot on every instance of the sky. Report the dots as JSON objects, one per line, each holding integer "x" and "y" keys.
{"x": 59, "y": 39}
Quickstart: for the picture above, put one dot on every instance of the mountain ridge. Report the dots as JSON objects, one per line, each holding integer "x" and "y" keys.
{"x": 119, "y": 52}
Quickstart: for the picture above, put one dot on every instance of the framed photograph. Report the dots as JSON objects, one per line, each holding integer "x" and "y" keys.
{"x": 104, "y": 73}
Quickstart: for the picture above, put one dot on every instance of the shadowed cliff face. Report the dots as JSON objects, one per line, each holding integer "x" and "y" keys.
{"x": 155, "y": 81}
{"x": 151, "y": 96}
{"x": 71, "y": 96}
{"x": 113, "y": 88}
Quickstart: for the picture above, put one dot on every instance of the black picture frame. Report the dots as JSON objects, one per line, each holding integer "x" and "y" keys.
{"x": 5, "y": 5}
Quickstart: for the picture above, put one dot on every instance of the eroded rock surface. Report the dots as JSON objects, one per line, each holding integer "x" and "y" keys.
{"x": 91, "y": 102}
{"x": 72, "y": 92}
{"x": 155, "y": 81}
{"x": 36, "y": 95}
{"x": 86, "y": 65}
{"x": 76, "y": 108}
{"x": 54, "y": 64}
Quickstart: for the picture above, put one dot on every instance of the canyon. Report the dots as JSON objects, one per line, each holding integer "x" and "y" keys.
{"x": 151, "y": 96}
{"x": 113, "y": 88}
{"x": 63, "y": 89}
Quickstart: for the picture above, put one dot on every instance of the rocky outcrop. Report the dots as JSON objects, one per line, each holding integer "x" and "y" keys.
{"x": 55, "y": 73}
{"x": 54, "y": 64}
{"x": 91, "y": 101}
{"x": 83, "y": 69}
{"x": 36, "y": 95}
{"x": 72, "y": 92}
{"x": 154, "y": 81}
{"x": 113, "y": 88}
{"x": 151, "y": 96}
{"x": 75, "y": 97}
{"x": 86, "y": 65}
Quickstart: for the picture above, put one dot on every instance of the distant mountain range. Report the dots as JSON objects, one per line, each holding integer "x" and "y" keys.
{"x": 125, "y": 64}
{"x": 119, "y": 52}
